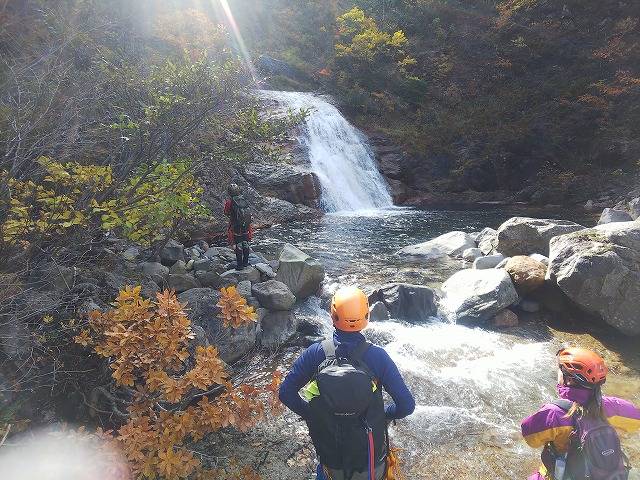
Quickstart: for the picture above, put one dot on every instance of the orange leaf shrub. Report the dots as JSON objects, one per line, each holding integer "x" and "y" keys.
{"x": 235, "y": 311}
{"x": 176, "y": 399}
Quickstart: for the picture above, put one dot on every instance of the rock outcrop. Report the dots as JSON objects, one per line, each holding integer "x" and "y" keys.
{"x": 202, "y": 309}
{"x": 611, "y": 215}
{"x": 599, "y": 270}
{"x": 475, "y": 296}
{"x": 524, "y": 236}
{"x": 273, "y": 295}
{"x": 292, "y": 183}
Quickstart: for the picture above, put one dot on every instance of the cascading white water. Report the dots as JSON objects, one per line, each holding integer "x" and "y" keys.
{"x": 339, "y": 155}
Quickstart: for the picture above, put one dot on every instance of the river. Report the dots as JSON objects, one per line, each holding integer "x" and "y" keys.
{"x": 472, "y": 386}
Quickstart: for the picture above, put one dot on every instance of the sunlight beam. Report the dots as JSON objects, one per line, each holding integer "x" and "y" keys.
{"x": 237, "y": 36}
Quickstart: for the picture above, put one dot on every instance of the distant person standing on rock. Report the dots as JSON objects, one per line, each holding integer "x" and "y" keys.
{"x": 240, "y": 230}
{"x": 341, "y": 381}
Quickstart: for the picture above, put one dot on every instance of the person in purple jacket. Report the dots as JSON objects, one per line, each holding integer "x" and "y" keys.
{"x": 581, "y": 373}
{"x": 350, "y": 314}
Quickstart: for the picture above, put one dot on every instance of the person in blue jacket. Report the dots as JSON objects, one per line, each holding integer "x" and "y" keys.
{"x": 350, "y": 315}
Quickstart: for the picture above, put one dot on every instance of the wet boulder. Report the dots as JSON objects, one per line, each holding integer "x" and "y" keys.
{"x": 451, "y": 244}
{"x": 634, "y": 208}
{"x": 540, "y": 258}
{"x": 298, "y": 271}
{"x": 490, "y": 261}
{"x": 403, "y": 301}
{"x": 202, "y": 309}
{"x": 526, "y": 273}
{"x": 611, "y": 215}
{"x": 524, "y": 236}
{"x": 273, "y": 295}
{"x": 599, "y": 270}
{"x": 378, "y": 312}
{"x": 475, "y": 296}
{"x": 287, "y": 182}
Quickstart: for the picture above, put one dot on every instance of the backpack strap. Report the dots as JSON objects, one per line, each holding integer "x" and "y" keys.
{"x": 563, "y": 403}
{"x": 359, "y": 351}
{"x": 329, "y": 348}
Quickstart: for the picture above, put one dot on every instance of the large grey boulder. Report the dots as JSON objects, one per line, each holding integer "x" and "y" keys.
{"x": 526, "y": 273}
{"x": 273, "y": 295}
{"x": 292, "y": 183}
{"x": 524, "y": 236}
{"x": 475, "y": 296}
{"x": 202, "y": 309}
{"x": 487, "y": 240}
{"x": 378, "y": 312}
{"x": 599, "y": 269}
{"x": 452, "y": 244}
{"x": 490, "y": 261}
{"x": 406, "y": 302}
{"x": 277, "y": 328}
{"x": 298, "y": 271}
{"x": 171, "y": 253}
{"x": 610, "y": 215}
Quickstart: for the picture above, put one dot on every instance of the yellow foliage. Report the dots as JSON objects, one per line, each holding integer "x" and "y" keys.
{"x": 235, "y": 311}
{"x": 147, "y": 346}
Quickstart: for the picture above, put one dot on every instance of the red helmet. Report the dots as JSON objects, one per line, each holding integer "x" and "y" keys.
{"x": 350, "y": 309}
{"x": 583, "y": 365}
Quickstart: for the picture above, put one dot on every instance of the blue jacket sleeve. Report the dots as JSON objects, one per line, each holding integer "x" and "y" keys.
{"x": 403, "y": 403}
{"x": 303, "y": 370}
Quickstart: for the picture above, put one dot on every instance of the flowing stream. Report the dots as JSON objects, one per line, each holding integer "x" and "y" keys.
{"x": 472, "y": 386}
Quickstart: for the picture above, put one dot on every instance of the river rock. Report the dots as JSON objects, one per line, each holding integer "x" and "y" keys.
{"x": 634, "y": 208}
{"x": 171, "y": 253}
{"x": 487, "y": 240}
{"x": 155, "y": 271}
{"x": 529, "y": 306}
{"x": 471, "y": 254}
{"x": 452, "y": 244}
{"x": 202, "y": 309}
{"x": 220, "y": 253}
{"x": 526, "y": 273}
{"x": 181, "y": 283}
{"x": 408, "y": 302}
{"x": 298, "y": 271}
{"x": 214, "y": 264}
{"x": 277, "y": 327}
{"x": 490, "y": 261}
{"x": 540, "y": 258}
{"x": 130, "y": 254}
{"x": 475, "y": 296}
{"x": 178, "y": 268}
{"x": 505, "y": 319}
{"x": 266, "y": 271}
{"x": 610, "y": 215}
{"x": 378, "y": 312}
{"x": 599, "y": 270}
{"x": 248, "y": 273}
{"x": 524, "y": 236}
{"x": 503, "y": 263}
{"x": 273, "y": 295}
{"x": 213, "y": 280}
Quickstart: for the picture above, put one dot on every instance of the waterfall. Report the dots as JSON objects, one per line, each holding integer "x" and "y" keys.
{"x": 339, "y": 155}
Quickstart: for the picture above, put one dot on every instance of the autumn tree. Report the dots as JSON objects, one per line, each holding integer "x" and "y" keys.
{"x": 168, "y": 394}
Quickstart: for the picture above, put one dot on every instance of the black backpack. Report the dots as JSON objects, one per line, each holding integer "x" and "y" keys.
{"x": 348, "y": 413}
{"x": 595, "y": 452}
{"x": 240, "y": 214}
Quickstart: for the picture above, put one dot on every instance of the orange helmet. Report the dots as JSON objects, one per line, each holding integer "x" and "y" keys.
{"x": 350, "y": 309}
{"x": 583, "y": 365}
